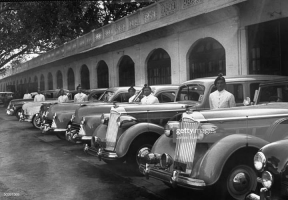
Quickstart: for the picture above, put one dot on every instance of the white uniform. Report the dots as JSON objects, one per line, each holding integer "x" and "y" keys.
{"x": 39, "y": 97}
{"x": 80, "y": 97}
{"x": 150, "y": 99}
{"x": 27, "y": 96}
{"x": 63, "y": 98}
{"x": 222, "y": 99}
{"x": 131, "y": 98}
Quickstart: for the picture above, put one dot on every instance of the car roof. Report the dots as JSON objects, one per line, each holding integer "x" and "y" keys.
{"x": 250, "y": 77}
{"x": 275, "y": 81}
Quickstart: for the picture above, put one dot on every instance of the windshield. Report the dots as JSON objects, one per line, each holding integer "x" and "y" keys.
{"x": 274, "y": 93}
{"x": 193, "y": 92}
{"x": 107, "y": 96}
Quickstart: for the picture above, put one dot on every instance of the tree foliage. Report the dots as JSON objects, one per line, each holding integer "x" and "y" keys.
{"x": 36, "y": 27}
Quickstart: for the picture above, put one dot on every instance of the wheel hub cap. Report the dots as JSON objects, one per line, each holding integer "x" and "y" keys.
{"x": 240, "y": 181}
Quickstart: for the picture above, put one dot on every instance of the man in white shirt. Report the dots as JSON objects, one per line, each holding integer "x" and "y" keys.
{"x": 39, "y": 97}
{"x": 132, "y": 94}
{"x": 80, "y": 97}
{"x": 62, "y": 97}
{"x": 148, "y": 98}
{"x": 27, "y": 95}
{"x": 221, "y": 98}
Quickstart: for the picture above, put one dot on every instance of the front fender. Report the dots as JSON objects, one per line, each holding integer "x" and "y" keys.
{"x": 63, "y": 119}
{"x": 213, "y": 162}
{"x": 100, "y": 131}
{"x": 164, "y": 144}
{"x": 131, "y": 133}
{"x": 91, "y": 123}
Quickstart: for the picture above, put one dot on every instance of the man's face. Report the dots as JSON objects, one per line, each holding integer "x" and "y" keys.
{"x": 131, "y": 92}
{"x": 79, "y": 89}
{"x": 220, "y": 85}
{"x": 146, "y": 91}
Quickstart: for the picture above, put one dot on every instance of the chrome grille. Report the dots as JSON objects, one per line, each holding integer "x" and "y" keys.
{"x": 75, "y": 128}
{"x": 48, "y": 121}
{"x": 186, "y": 144}
{"x": 112, "y": 130}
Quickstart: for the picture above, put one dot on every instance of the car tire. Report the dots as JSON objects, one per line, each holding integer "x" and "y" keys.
{"x": 237, "y": 183}
{"x": 61, "y": 135}
{"x": 36, "y": 121}
{"x": 141, "y": 143}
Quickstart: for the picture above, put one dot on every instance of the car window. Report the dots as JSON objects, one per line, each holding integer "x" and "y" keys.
{"x": 275, "y": 93}
{"x": 235, "y": 89}
{"x": 193, "y": 92}
{"x": 94, "y": 96}
{"x": 166, "y": 97}
{"x": 122, "y": 97}
{"x": 253, "y": 88}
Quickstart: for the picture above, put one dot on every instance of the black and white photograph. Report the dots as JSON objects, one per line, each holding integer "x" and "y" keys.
{"x": 144, "y": 100}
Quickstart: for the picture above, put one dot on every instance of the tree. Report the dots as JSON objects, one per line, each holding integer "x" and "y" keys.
{"x": 37, "y": 27}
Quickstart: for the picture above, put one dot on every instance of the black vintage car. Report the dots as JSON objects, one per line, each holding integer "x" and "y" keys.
{"x": 271, "y": 162}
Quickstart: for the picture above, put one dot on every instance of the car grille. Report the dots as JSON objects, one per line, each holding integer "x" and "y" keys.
{"x": 75, "y": 128}
{"x": 284, "y": 188}
{"x": 186, "y": 144}
{"x": 112, "y": 131}
{"x": 48, "y": 121}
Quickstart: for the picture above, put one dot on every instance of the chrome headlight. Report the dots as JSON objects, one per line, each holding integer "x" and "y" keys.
{"x": 104, "y": 119}
{"x": 83, "y": 120}
{"x": 166, "y": 160}
{"x": 267, "y": 179}
{"x": 152, "y": 158}
{"x": 118, "y": 121}
{"x": 170, "y": 127}
{"x": 259, "y": 161}
{"x": 54, "y": 116}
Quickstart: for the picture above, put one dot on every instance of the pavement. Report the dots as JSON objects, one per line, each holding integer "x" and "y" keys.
{"x": 37, "y": 166}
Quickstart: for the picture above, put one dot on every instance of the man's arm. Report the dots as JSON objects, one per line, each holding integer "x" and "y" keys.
{"x": 156, "y": 100}
{"x": 232, "y": 101}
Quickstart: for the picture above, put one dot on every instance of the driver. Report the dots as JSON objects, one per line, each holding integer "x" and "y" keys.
{"x": 148, "y": 98}
{"x": 221, "y": 98}
{"x": 132, "y": 94}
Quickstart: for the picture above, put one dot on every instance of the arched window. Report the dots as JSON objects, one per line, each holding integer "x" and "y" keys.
{"x": 126, "y": 72}
{"x": 207, "y": 58}
{"x": 50, "y": 81}
{"x": 102, "y": 75}
{"x": 35, "y": 84}
{"x": 85, "y": 77}
{"x": 159, "y": 68}
{"x": 71, "y": 79}
{"x": 42, "y": 82}
{"x": 59, "y": 80}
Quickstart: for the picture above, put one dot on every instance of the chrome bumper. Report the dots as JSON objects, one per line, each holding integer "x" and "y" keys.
{"x": 175, "y": 178}
{"x": 45, "y": 128}
{"x": 264, "y": 195}
{"x": 91, "y": 150}
{"x": 59, "y": 129}
{"x": 100, "y": 153}
{"x": 10, "y": 112}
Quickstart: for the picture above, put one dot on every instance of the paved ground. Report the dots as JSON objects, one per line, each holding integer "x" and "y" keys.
{"x": 37, "y": 166}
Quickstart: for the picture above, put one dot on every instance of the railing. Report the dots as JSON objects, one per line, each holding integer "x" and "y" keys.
{"x": 154, "y": 16}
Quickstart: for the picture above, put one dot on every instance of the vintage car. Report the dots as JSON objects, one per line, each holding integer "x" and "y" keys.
{"x": 215, "y": 148}
{"x": 271, "y": 162}
{"x": 115, "y": 94}
{"x": 194, "y": 92}
{"x": 15, "y": 105}
{"x": 87, "y": 118}
{"x": 36, "y": 113}
{"x": 5, "y": 96}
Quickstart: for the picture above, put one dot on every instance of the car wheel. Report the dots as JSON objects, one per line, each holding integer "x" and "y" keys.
{"x": 36, "y": 121}
{"x": 237, "y": 183}
{"x": 61, "y": 135}
{"x": 137, "y": 147}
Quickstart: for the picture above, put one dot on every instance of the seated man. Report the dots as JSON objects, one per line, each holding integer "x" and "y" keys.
{"x": 80, "y": 97}
{"x": 148, "y": 98}
{"x": 132, "y": 94}
{"x": 39, "y": 96}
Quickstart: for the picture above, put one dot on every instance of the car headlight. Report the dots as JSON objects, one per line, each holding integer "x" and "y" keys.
{"x": 259, "y": 161}
{"x": 118, "y": 121}
{"x": 170, "y": 127}
{"x": 167, "y": 130}
{"x": 72, "y": 118}
{"x": 267, "y": 179}
{"x": 54, "y": 116}
{"x": 166, "y": 160}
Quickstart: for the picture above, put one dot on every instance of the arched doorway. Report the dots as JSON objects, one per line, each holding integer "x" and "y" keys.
{"x": 159, "y": 68}
{"x": 207, "y": 58}
{"x": 85, "y": 77}
{"x": 42, "y": 82}
{"x": 102, "y": 75}
{"x": 126, "y": 72}
{"x": 35, "y": 84}
{"x": 71, "y": 79}
{"x": 50, "y": 81}
{"x": 59, "y": 80}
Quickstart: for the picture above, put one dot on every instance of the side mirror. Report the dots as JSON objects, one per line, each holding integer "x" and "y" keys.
{"x": 247, "y": 101}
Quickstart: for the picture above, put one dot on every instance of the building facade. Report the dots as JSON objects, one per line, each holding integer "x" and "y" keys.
{"x": 168, "y": 42}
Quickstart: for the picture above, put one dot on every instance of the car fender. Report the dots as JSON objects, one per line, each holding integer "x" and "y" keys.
{"x": 213, "y": 162}
{"x": 100, "y": 131}
{"x": 164, "y": 144}
{"x": 63, "y": 119}
{"x": 128, "y": 136}
{"x": 91, "y": 123}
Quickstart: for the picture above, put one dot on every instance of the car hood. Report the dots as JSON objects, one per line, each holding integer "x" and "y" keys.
{"x": 61, "y": 108}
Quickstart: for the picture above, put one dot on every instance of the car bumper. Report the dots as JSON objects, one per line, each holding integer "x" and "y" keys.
{"x": 26, "y": 118}
{"x": 100, "y": 153}
{"x": 46, "y": 128}
{"x": 175, "y": 178}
